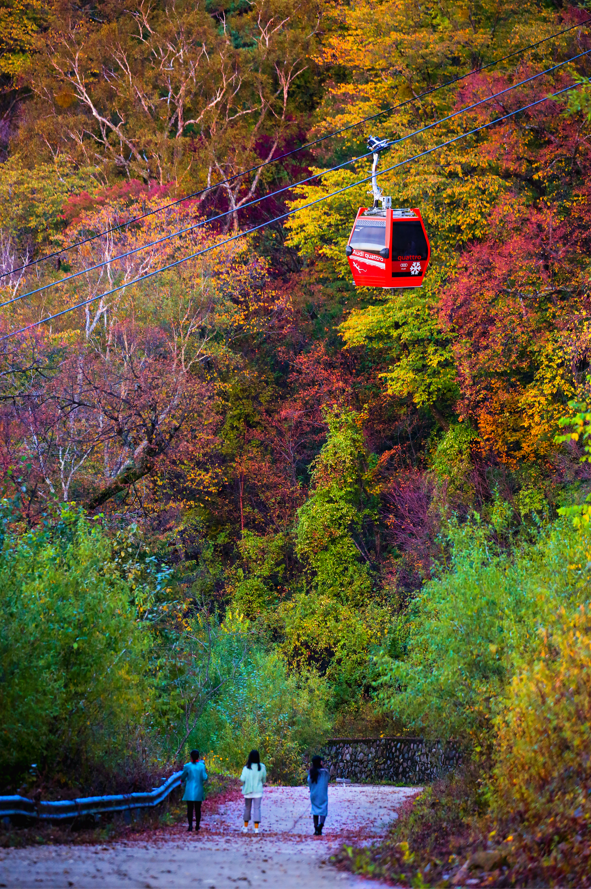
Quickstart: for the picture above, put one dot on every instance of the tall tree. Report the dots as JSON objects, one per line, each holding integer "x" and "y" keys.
{"x": 165, "y": 92}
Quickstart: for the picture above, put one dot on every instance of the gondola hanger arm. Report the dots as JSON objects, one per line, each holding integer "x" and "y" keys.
{"x": 377, "y": 145}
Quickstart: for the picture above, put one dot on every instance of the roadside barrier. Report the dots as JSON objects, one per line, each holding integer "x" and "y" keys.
{"x": 90, "y": 805}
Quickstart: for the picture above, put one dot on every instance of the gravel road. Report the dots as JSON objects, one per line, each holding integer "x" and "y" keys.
{"x": 286, "y": 855}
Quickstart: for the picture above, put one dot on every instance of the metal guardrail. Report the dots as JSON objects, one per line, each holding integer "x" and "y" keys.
{"x": 90, "y": 805}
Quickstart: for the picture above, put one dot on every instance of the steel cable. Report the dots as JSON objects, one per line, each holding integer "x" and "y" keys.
{"x": 293, "y": 151}
{"x": 184, "y": 231}
{"x": 289, "y": 213}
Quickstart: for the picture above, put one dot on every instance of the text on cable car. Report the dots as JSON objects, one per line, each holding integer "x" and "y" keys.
{"x": 361, "y": 254}
{"x": 368, "y": 260}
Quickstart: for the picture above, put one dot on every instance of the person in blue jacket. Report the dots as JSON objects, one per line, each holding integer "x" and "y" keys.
{"x": 193, "y": 778}
{"x": 318, "y": 778}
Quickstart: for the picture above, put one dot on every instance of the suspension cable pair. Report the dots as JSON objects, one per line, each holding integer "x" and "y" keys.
{"x": 378, "y": 146}
{"x": 292, "y": 212}
{"x": 293, "y": 151}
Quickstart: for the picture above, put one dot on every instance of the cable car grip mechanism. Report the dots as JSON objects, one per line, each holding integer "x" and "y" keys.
{"x": 377, "y": 145}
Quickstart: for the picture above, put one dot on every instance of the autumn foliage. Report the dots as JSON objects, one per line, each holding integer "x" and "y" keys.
{"x": 350, "y": 497}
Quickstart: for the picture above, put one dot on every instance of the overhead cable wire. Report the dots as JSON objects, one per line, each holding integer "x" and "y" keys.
{"x": 197, "y": 225}
{"x": 289, "y": 213}
{"x": 293, "y": 151}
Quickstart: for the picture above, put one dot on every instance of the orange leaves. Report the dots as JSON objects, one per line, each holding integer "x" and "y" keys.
{"x": 499, "y": 332}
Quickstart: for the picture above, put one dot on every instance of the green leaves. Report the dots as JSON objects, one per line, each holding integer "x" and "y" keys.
{"x": 579, "y": 100}
{"x": 405, "y": 326}
{"x": 470, "y": 629}
{"x": 73, "y": 684}
{"x": 580, "y": 426}
{"x": 335, "y": 508}
{"x": 328, "y": 536}
{"x": 580, "y": 423}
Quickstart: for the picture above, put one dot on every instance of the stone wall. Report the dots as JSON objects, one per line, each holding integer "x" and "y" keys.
{"x": 389, "y": 760}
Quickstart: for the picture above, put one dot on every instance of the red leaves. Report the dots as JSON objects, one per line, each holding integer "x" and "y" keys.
{"x": 129, "y": 192}
{"x": 515, "y": 298}
{"x": 94, "y": 423}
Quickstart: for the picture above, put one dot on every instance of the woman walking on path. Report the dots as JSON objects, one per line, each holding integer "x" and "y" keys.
{"x": 318, "y": 778}
{"x": 193, "y": 778}
{"x": 253, "y": 777}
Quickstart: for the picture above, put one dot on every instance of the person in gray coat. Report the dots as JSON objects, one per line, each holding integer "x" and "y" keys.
{"x": 318, "y": 778}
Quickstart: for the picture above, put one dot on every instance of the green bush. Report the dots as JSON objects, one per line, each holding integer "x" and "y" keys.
{"x": 334, "y": 514}
{"x": 254, "y": 581}
{"x": 470, "y": 629}
{"x": 200, "y": 657}
{"x": 334, "y": 638}
{"x": 73, "y": 656}
{"x": 282, "y": 715}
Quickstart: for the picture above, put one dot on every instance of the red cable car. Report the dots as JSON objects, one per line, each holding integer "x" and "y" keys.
{"x": 387, "y": 248}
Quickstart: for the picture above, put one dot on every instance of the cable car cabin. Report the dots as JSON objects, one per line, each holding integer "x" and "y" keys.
{"x": 388, "y": 248}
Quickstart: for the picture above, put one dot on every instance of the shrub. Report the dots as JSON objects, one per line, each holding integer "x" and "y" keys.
{"x": 200, "y": 656}
{"x": 72, "y": 653}
{"x": 254, "y": 583}
{"x": 281, "y": 714}
{"x": 333, "y": 638}
{"x": 543, "y": 773}
{"x": 335, "y": 512}
{"x": 469, "y": 630}
{"x": 425, "y": 844}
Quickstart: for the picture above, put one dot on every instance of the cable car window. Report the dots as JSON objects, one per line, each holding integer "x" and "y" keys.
{"x": 369, "y": 234}
{"x": 408, "y": 241}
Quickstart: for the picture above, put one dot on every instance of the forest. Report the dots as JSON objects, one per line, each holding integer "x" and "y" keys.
{"x": 245, "y": 503}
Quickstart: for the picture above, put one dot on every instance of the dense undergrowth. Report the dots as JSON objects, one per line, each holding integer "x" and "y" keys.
{"x": 505, "y": 667}
{"x": 111, "y": 681}
{"x": 450, "y": 836}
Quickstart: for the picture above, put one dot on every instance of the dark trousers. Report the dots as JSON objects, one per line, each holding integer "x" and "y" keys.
{"x": 319, "y": 822}
{"x": 194, "y": 805}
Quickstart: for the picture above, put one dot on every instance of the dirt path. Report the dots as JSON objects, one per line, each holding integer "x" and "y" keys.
{"x": 286, "y": 855}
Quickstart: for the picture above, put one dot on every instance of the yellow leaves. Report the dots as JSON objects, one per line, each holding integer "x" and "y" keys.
{"x": 407, "y": 855}
{"x": 20, "y": 21}
{"x": 64, "y": 98}
{"x": 235, "y": 622}
{"x": 546, "y": 725}
{"x": 522, "y": 424}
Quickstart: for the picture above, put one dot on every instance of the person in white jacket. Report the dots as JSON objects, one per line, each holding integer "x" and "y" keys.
{"x": 253, "y": 777}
